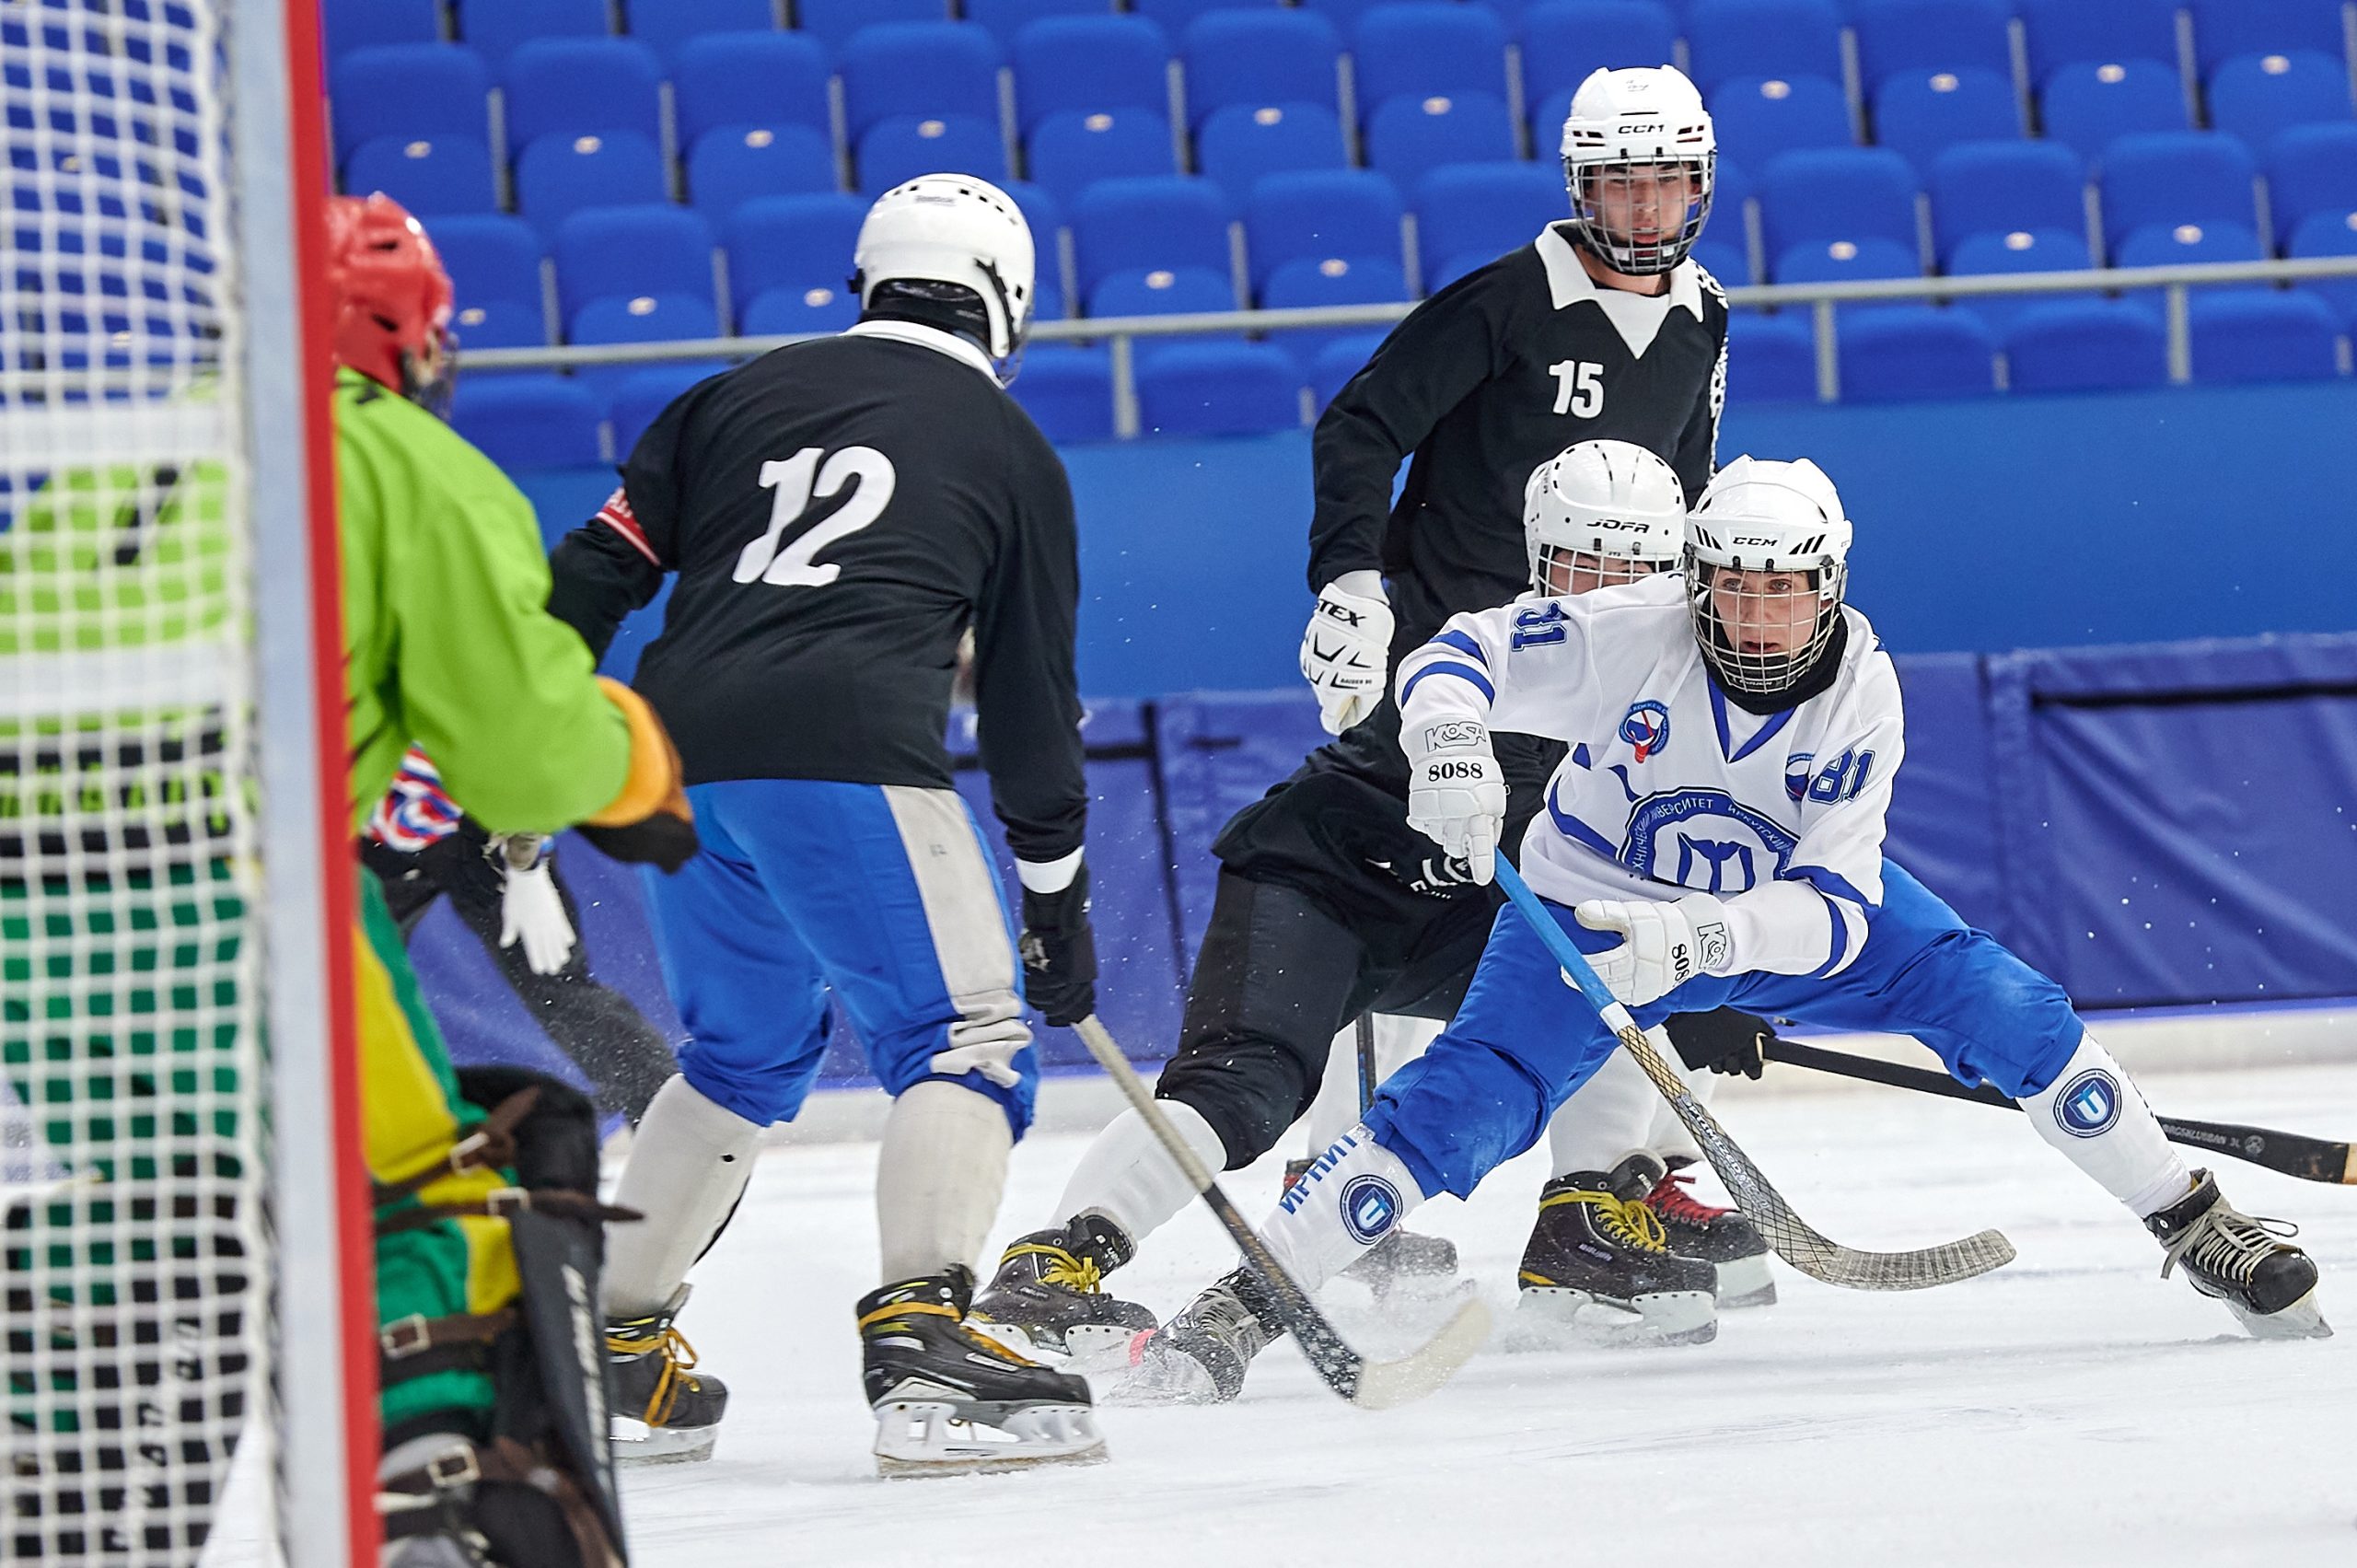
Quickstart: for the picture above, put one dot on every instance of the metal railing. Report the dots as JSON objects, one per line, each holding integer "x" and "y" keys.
{"x": 1120, "y": 332}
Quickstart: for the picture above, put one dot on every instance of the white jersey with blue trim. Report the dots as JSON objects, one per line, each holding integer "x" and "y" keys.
{"x": 1669, "y": 788}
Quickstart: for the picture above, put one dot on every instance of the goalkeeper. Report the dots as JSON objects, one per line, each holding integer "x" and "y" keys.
{"x": 485, "y": 1388}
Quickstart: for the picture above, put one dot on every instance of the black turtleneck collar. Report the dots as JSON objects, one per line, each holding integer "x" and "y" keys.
{"x": 1817, "y": 676}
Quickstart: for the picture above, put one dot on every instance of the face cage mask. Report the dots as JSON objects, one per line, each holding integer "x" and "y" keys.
{"x": 1622, "y": 253}
{"x": 1761, "y": 674}
{"x": 1606, "y": 571}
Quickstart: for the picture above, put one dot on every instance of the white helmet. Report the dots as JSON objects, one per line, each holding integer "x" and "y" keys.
{"x": 1766, "y": 517}
{"x": 953, "y": 228}
{"x": 1640, "y": 117}
{"x": 1611, "y": 501}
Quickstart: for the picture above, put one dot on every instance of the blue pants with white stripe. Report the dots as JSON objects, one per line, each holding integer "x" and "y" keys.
{"x": 879, "y": 896}
{"x": 1523, "y": 1039}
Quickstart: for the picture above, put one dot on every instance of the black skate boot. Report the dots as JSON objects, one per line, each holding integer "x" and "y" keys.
{"x": 1200, "y": 1356}
{"x": 1404, "y": 1258}
{"x": 2243, "y": 1261}
{"x": 1048, "y": 1296}
{"x": 664, "y": 1411}
{"x": 1721, "y": 1237}
{"x": 1600, "y": 1264}
{"x": 950, "y": 1399}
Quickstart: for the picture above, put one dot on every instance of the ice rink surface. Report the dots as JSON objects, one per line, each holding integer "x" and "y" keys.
{"x": 2072, "y": 1408}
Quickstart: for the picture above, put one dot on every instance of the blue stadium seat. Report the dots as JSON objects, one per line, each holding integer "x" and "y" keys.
{"x": 490, "y": 259}
{"x": 1905, "y": 353}
{"x": 1045, "y": 217}
{"x": 2087, "y": 106}
{"x": 2093, "y": 32}
{"x": 1007, "y": 18}
{"x": 2329, "y": 234}
{"x": 1407, "y": 137}
{"x": 2174, "y": 176}
{"x": 1426, "y": 47}
{"x": 729, "y": 167}
{"x": 503, "y": 323}
{"x": 1843, "y": 260}
{"x": 432, "y": 176}
{"x": 1238, "y": 145}
{"x": 540, "y": 420}
{"x": 1563, "y": 40}
{"x": 1339, "y": 360}
{"x": 1351, "y": 212}
{"x": 1838, "y": 193}
{"x": 569, "y": 86}
{"x": 2018, "y": 251}
{"x": 2223, "y": 29}
{"x": 1068, "y": 392}
{"x": 931, "y": 70}
{"x": 821, "y": 308}
{"x": 667, "y": 27}
{"x": 777, "y": 78}
{"x": 2261, "y": 334}
{"x": 1470, "y": 215}
{"x": 639, "y": 318}
{"x": 498, "y": 27}
{"x": 832, "y": 22}
{"x": 642, "y": 395}
{"x": 1218, "y": 388}
{"x": 1069, "y": 152}
{"x": 2256, "y": 96}
{"x": 1334, "y": 281}
{"x": 1725, "y": 260}
{"x": 2184, "y": 244}
{"x": 1771, "y": 359}
{"x": 602, "y": 252}
{"x": 2088, "y": 346}
{"x": 1983, "y": 187}
{"x": 1256, "y": 57}
{"x": 1343, "y": 13}
{"x": 1930, "y": 35}
{"x": 1165, "y": 222}
{"x": 897, "y": 150}
{"x": 1727, "y": 39}
{"x": 1084, "y": 62}
{"x": 558, "y": 176}
{"x": 370, "y": 24}
{"x": 1176, "y": 16}
{"x": 794, "y": 242}
{"x": 410, "y": 89}
{"x": 1161, "y": 291}
{"x": 2311, "y": 169}
{"x": 1758, "y": 117}
{"x": 1922, "y": 113}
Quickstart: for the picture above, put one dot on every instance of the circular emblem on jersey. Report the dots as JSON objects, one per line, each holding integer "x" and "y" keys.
{"x": 1645, "y": 726}
{"x": 1706, "y": 839}
{"x": 2088, "y": 1105}
{"x": 1797, "y": 768}
{"x": 1370, "y": 1205}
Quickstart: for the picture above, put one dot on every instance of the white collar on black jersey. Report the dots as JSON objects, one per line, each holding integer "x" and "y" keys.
{"x": 924, "y": 336}
{"x": 1638, "y": 316}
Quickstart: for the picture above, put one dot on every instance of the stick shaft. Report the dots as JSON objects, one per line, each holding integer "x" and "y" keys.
{"x": 1365, "y": 1040}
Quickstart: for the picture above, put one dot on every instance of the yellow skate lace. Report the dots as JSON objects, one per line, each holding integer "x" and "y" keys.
{"x": 1630, "y": 1223}
{"x": 678, "y": 1358}
{"x": 1064, "y": 1268}
{"x": 881, "y": 1320}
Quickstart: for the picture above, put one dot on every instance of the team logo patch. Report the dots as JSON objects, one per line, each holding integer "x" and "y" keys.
{"x": 1645, "y": 726}
{"x": 1370, "y": 1207}
{"x": 2088, "y": 1105}
{"x": 1798, "y": 767}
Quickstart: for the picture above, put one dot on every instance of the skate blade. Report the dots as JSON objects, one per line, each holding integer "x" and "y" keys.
{"x": 1745, "y": 1281}
{"x": 635, "y": 1443}
{"x": 1143, "y": 1372}
{"x": 2304, "y": 1320}
{"x": 919, "y": 1438}
{"x": 1551, "y": 1317}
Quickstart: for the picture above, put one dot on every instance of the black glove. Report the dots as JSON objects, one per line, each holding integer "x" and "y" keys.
{"x": 1060, "y": 953}
{"x": 666, "y": 840}
{"x": 1725, "y": 1041}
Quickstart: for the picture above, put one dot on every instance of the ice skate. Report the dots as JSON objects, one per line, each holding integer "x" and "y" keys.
{"x": 664, "y": 1411}
{"x": 950, "y": 1399}
{"x": 1200, "y": 1355}
{"x": 2243, "y": 1261}
{"x": 1721, "y": 1237}
{"x": 1047, "y": 1297}
{"x": 1422, "y": 1265}
{"x": 1599, "y": 1267}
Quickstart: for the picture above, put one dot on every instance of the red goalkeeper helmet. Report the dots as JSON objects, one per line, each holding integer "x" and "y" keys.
{"x": 392, "y": 297}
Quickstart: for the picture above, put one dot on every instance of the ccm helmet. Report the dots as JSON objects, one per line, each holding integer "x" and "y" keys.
{"x": 1767, "y": 562}
{"x": 958, "y": 243}
{"x": 1628, "y": 122}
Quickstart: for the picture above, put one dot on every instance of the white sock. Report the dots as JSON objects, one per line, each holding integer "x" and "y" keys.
{"x": 1129, "y": 1177}
{"x": 1336, "y": 1110}
{"x": 689, "y": 1163}
{"x": 2095, "y": 1115}
{"x": 1607, "y": 1116}
{"x": 1669, "y": 1138}
{"x": 938, "y": 1177}
{"x": 1348, "y": 1200}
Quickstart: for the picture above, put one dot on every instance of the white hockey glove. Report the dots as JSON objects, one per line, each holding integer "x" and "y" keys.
{"x": 1456, "y": 798}
{"x": 530, "y": 910}
{"x": 1667, "y": 943}
{"x": 1346, "y": 652}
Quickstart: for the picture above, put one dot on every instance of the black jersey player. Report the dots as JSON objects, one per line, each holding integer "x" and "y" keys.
{"x": 836, "y": 517}
{"x": 1329, "y": 905}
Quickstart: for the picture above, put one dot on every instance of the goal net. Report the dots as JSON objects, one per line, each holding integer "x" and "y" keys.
{"x": 135, "y": 1089}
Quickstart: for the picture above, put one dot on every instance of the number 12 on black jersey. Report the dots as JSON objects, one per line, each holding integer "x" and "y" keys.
{"x": 799, "y": 481}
